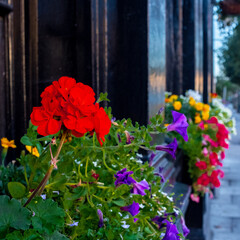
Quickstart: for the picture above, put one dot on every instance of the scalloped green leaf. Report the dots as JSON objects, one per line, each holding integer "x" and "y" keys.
{"x": 48, "y": 216}
{"x": 12, "y": 214}
{"x": 16, "y": 189}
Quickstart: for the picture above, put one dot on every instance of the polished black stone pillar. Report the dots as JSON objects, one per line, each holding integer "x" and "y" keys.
{"x": 174, "y": 46}
{"x": 188, "y": 45}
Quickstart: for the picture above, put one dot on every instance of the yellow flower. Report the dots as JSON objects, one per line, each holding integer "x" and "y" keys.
{"x": 206, "y": 108}
{"x": 199, "y": 106}
{"x": 205, "y": 126}
{"x": 173, "y": 98}
{"x": 192, "y": 101}
{"x": 205, "y": 116}
{"x": 6, "y": 144}
{"x": 33, "y": 151}
{"x": 166, "y": 124}
{"x": 198, "y": 119}
{"x": 177, "y": 105}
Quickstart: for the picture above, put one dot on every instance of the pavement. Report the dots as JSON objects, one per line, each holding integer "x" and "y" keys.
{"x": 225, "y": 207}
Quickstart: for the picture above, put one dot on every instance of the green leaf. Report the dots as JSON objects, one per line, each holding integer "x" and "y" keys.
{"x": 120, "y": 202}
{"x": 12, "y": 214}
{"x": 25, "y": 140}
{"x": 103, "y": 97}
{"x": 16, "y": 189}
{"x": 56, "y": 236}
{"x": 14, "y": 235}
{"x": 48, "y": 216}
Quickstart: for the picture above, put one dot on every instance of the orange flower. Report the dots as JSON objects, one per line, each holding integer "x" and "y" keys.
{"x": 173, "y": 98}
{"x": 33, "y": 151}
{"x": 199, "y": 106}
{"x": 198, "y": 119}
{"x": 177, "y": 105}
{"x": 192, "y": 101}
{"x": 206, "y": 108}
{"x": 213, "y": 95}
{"x": 205, "y": 116}
{"x": 167, "y": 100}
{"x": 6, "y": 144}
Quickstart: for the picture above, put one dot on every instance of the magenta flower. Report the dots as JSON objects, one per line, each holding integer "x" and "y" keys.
{"x": 170, "y": 148}
{"x": 179, "y": 124}
{"x": 100, "y": 215}
{"x": 123, "y": 177}
{"x": 195, "y": 198}
{"x": 139, "y": 187}
{"x": 185, "y": 229}
{"x": 133, "y": 209}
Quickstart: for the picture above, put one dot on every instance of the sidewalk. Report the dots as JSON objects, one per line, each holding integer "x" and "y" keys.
{"x": 225, "y": 208}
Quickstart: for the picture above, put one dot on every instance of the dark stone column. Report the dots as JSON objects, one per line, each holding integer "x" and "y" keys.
{"x": 174, "y": 46}
{"x": 188, "y": 45}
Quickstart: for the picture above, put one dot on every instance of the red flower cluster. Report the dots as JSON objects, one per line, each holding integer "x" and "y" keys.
{"x": 201, "y": 165}
{"x": 222, "y": 134}
{"x": 214, "y": 161}
{"x": 204, "y": 179}
{"x": 71, "y": 104}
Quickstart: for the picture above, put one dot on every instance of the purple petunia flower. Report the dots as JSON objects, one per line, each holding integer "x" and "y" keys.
{"x": 100, "y": 215}
{"x": 158, "y": 220}
{"x": 171, "y": 231}
{"x": 139, "y": 187}
{"x": 170, "y": 148}
{"x": 185, "y": 229}
{"x": 129, "y": 137}
{"x": 123, "y": 177}
{"x": 119, "y": 137}
{"x": 160, "y": 170}
{"x": 133, "y": 209}
{"x": 179, "y": 124}
{"x": 152, "y": 156}
{"x": 160, "y": 110}
{"x": 136, "y": 219}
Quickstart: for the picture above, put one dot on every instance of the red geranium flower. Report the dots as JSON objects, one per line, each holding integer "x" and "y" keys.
{"x": 204, "y": 179}
{"x": 213, "y": 157}
{"x": 214, "y": 179}
{"x": 72, "y": 104}
{"x": 201, "y": 165}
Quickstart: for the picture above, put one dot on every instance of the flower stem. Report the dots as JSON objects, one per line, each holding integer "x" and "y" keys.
{"x": 86, "y": 168}
{"x": 25, "y": 175}
{"x": 104, "y": 161}
{"x": 43, "y": 183}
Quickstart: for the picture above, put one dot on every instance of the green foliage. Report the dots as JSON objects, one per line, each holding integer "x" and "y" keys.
{"x": 74, "y": 193}
{"x": 48, "y": 217}
{"x": 16, "y": 189}
{"x": 230, "y": 57}
{"x": 12, "y": 215}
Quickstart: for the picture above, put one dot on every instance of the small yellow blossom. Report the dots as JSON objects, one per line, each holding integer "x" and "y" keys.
{"x": 192, "y": 101}
{"x": 199, "y": 106}
{"x": 205, "y": 126}
{"x": 6, "y": 144}
{"x": 206, "y": 108}
{"x": 205, "y": 116}
{"x": 177, "y": 105}
{"x": 166, "y": 124}
{"x": 198, "y": 119}
{"x": 173, "y": 98}
{"x": 33, "y": 151}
